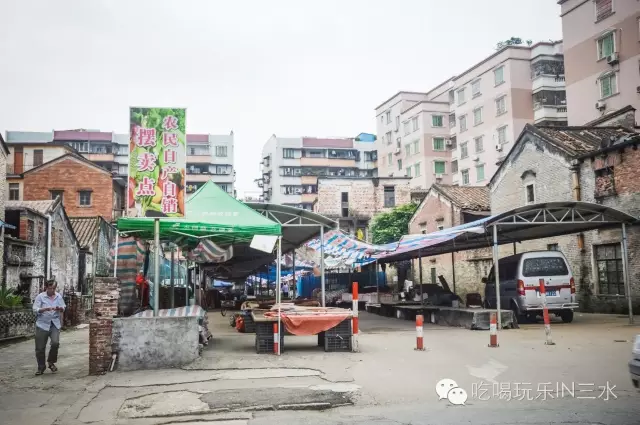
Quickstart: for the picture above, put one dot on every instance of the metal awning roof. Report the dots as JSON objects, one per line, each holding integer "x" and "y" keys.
{"x": 298, "y": 226}
{"x": 522, "y": 224}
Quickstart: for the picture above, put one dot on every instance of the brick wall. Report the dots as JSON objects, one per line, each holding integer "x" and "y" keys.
{"x": 470, "y": 266}
{"x": 105, "y": 307}
{"x": 72, "y": 175}
{"x": 366, "y": 196}
{"x": 553, "y": 183}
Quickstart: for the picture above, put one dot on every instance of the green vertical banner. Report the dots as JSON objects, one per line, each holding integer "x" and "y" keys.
{"x": 157, "y": 162}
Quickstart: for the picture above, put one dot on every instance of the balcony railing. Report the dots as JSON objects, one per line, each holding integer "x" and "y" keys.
{"x": 19, "y": 169}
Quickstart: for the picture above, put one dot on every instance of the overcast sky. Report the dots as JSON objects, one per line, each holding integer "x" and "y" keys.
{"x": 257, "y": 67}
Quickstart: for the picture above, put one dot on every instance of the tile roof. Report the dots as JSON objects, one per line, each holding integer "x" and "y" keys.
{"x": 86, "y": 229}
{"x": 42, "y": 207}
{"x": 576, "y": 141}
{"x": 466, "y": 197}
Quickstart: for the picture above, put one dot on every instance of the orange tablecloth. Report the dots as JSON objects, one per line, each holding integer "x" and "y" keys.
{"x": 309, "y": 324}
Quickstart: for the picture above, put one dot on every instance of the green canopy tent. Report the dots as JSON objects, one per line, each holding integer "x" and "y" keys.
{"x": 212, "y": 215}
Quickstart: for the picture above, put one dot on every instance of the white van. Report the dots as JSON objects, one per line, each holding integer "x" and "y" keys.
{"x": 520, "y": 276}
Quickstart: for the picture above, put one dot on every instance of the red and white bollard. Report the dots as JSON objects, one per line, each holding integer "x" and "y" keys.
{"x": 354, "y": 338}
{"x": 419, "y": 332}
{"x": 493, "y": 330}
{"x": 276, "y": 340}
{"x": 545, "y": 314}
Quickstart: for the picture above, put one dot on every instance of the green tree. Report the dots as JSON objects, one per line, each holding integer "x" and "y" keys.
{"x": 391, "y": 226}
{"x": 513, "y": 41}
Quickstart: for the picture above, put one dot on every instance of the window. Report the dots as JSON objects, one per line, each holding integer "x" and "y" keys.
{"x": 439, "y": 167}
{"x": 416, "y": 170}
{"x": 416, "y": 147}
{"x": 287, "y": 153}
{"x": 399, "y": 165}
{"x": 477, "y": 116}
{"x": 414, "y": 123}
{"x": 438, "y": 143}
{"x": 85, "y": 198}
{"x": 389, "y": 196}
{"x": 608, "y": 85}
{"x": 452, "y": 97}
{"x": 408, "y": 171}
{"x": 398, "y": 142}
{"x": 475, "y": 89}
{"x": 31, "y": 230}
{"x": 407, "y": 150}
{"x": 433, "y": 276}
{"x": 389, "y": 138}
{"x": 407, "y": 127}
{"x": 480, "y": 173}
{"x": 501, "y": 105}
{"x": 37, "y": 157}
{"x": 221, "y": 151}
{"x": 610, "y": 271}
{"x": 465, "y": 177}
{"x": 498, "y": 75}
{"x": 553, "y": 247}
{"x": 461, "y": 97}
{"x": 57, "y": 193}
{"x": 345, "y": 204}
{"x": 452, "y": 120}
{"x": 530, "y": 193}
{"x": 14, "y": 191}
{"x": 464, "y": 150}
{"x": 388, "y": 115}
{"x": 437, "y": 121}
{"x": 604, "y": 8}
{"x": 544, "y": 266}
{"x": 397, "y": 122}
{"x": 463, "y": 123}
{"x": 606, "y": 45}
{"x": 502, "y": 135}
{"x": 389, "y": 160}
{"x": 479, "y": 142}
{"x": 454, "y": 166}
{"x": 440, "y": 224}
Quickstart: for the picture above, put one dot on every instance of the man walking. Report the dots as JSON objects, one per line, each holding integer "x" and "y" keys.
{"x": 48, "y": 307}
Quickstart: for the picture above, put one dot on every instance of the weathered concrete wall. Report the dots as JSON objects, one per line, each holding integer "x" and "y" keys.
{"x": 64, "y": 253}
{"x": 155, "y": 342}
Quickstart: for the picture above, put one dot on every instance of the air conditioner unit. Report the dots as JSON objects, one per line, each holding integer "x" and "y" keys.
{"x": 448, "y": 142}
{"x": 438, "y": 176}
{"x": 613, "y": 59}
{"x": 638, "y": 89}
{"x": 476, "y": 158}
{"x": 397, "y": 151}
{"x": 601, "y": 105}
{"x": 499, "y": 147}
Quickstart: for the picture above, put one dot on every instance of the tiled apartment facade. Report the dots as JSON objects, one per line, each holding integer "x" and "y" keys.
{"x": 291, "y": 166}
{"x": 459, "y": 132}
{"x": 602, "y": 56}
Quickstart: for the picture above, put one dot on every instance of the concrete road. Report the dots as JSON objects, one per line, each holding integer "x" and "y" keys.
{"x": 582, "y": 379}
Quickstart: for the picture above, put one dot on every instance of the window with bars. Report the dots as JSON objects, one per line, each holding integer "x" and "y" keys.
{"x": 501, "y": 105}
{"x": 288, "y": 153}
{"x": 610, "y": 271}
{"x": 221, "y": 151}
{"x": 389, "y": 196}
{"x": 477, "y": 116}
{"x": 479, "y": 142}
{"x": 463, "y": 123}
{"x": 14, "y": 191}
{"x": 464, "y": 150}
{"x": 465, "y": 177}
{"x": 604, "y": 8}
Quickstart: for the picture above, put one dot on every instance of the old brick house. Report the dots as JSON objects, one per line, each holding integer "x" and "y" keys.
{"x": 95, "y": 238}
{"x": 86, "y": 189}
{"x": 354, "y": 201}
{"x": 447, "y": 206}
{"x": 4, "y": 153}
{"x": 591, "y": 164}
{"x": 43, "y": 245}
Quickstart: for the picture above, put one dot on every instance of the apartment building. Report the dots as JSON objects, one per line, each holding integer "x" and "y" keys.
{"x": 602, "y": 56}
{"x": 291, "y": 165}
{"x": 413, "y": 131}
{"x": 209, "y": 157}
{"x": 458, "y": 132}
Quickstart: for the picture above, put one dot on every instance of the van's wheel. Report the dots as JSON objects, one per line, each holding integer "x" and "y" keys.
{"x": 566, "y": 316}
